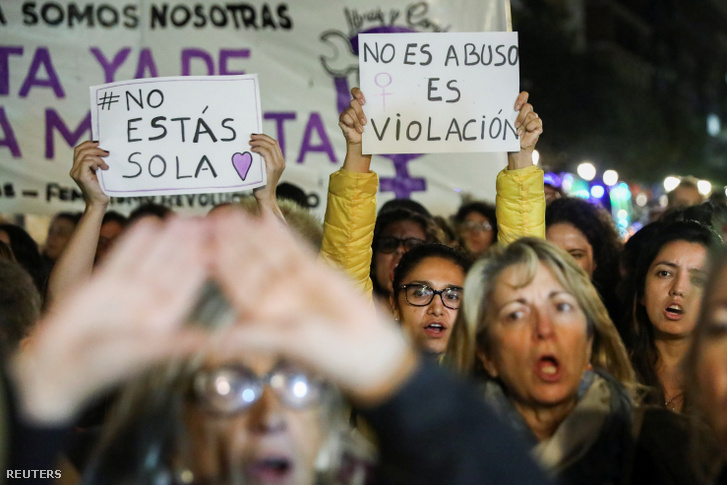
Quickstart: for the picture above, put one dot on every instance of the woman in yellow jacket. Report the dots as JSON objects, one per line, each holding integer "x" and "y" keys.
{"x": 351, "y": 212}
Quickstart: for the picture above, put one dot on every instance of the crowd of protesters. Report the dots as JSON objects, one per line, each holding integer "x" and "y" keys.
{"x": 517, "y": 341}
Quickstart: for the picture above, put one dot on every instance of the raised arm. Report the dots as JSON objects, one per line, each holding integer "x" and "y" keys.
{"x": 520, "y": 201}
{"x": 76, "y": 262}
{"x": 348, "y": 226}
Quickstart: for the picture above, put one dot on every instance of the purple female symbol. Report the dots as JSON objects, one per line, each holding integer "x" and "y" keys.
{"x": 383, "y": 85}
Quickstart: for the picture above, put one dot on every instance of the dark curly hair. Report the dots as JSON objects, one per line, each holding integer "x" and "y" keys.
{"x": 598, "y": 227}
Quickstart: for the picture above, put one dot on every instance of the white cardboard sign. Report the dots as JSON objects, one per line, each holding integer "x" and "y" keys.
{"x": 439, "y": 92}
{"x": 178, "y": 135}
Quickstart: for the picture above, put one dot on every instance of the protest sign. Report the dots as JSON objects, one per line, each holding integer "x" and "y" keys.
{"x": 439, "y": 93}
{"x": 178, "y": 135}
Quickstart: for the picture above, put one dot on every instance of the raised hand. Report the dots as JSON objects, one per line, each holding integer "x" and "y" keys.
{"x": 291, "y": 304}
{"x": 353, "y": 119}
{"x": 274, "y": 166}
{"x": 529, "y": 127}
{"x": 87, "y": 158}
{"x": 126, "y": 317}
{"x": 352, "y": 122}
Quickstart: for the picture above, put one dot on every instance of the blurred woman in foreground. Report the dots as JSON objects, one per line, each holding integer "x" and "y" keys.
{"x": 247, "y": 401}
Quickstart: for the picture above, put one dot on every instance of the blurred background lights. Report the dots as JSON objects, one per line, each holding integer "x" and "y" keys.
{"x": 621, "y": 192}
{"x": 586, "y": 171}
{"x": 622, "y": 214}
{"x": 714, "y": 126}
{"x": 704, "y": 187}
{"x": 610, "y": 177}
{"x": 663, "y": 200}
{"x": 536, "y": 157}
{"x": 670, "y": 183}
{"x": 567, "y": 182}
{"x": 642, "y": 200}
{"x": 597, "y": 191}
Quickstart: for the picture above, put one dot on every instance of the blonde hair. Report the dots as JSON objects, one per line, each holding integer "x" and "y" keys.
{"x": 300, "y": 220}
{"x": 475, "y": 316}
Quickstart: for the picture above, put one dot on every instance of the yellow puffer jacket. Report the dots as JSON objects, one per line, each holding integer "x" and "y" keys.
{"x": 348, "y": 226}
{"x": 520, "y": 204}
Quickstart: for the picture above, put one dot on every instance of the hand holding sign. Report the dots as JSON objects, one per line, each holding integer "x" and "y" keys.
{"x": 87, "y": 160}
{"x": 179, "y": 135}
{"x": 272, "y": 154}
{"x": 529, "y": 128}
{"x": 352, "y": 121}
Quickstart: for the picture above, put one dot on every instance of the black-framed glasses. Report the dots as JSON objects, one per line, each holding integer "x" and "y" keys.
{"x": 472, "y": 226}
{"x": 231, "y": 389}
{"x": 389, "y": 244}
{"x": 422, "y": 295}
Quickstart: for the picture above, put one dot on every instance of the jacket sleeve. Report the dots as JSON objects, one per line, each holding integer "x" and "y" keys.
{"x": 438, "y": 430}
{"x": 520, "y": 204}
{"x": 348, "y": 226}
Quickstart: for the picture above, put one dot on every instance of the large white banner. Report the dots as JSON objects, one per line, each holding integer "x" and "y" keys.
{"x": 305, "y": 54}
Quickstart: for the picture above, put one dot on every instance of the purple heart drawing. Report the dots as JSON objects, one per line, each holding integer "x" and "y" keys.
{"x": 242, "y": 163}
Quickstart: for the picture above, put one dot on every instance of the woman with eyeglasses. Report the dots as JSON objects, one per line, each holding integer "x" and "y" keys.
{"x": 396, "y": 232}
{"x": 476, "y": 225}
{"x": 427, "y": 292}
{"x": 233, "y": 418}
{"x": 369, "y": 249}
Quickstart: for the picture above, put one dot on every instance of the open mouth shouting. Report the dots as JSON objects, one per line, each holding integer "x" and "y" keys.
{"x": 272, "y": 469}
{"x": 547, "y": 368}
{"x": 435, "y": 329}
{"x": 674, "y": 311}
